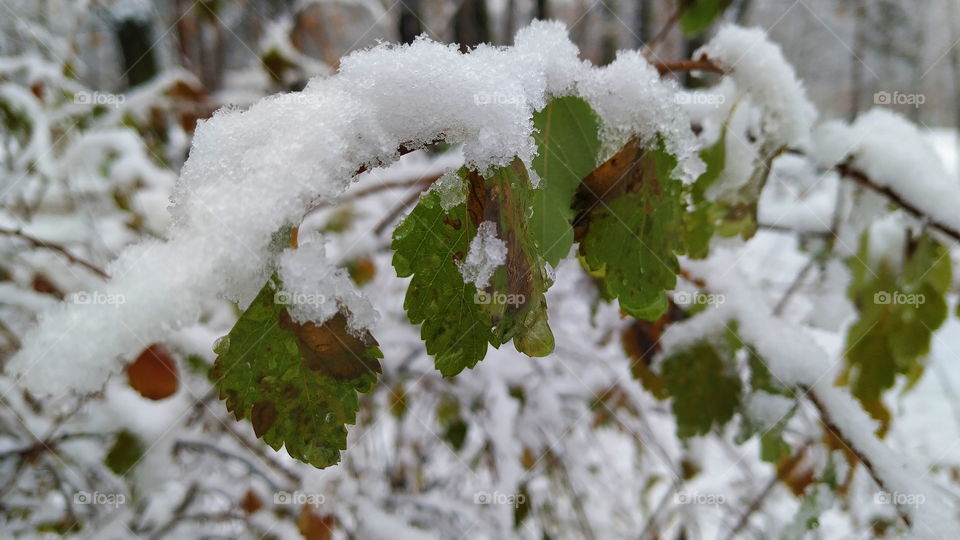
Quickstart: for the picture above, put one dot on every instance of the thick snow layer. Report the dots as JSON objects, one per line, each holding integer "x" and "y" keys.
{"x": 894, "y": 154}
{"x": 251, "y": 173}
{"x": 315, "y": 290}
{"x": 758, "y": 67}
{"x": 486, "y": 254}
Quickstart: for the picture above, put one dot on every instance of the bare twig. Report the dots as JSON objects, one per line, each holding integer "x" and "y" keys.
{"x": 36, "y": 242}
{"x": 703, "y": 64}
{"x": 861, "y": 457}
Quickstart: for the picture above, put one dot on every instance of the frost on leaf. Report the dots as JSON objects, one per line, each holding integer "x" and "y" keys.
{"x": 632, "y": 227}
{"x": 297, "y": 383}
{"x": 899, "y": 310}
{"x": 567, "y": 146}
{"x": 487, "y": 252}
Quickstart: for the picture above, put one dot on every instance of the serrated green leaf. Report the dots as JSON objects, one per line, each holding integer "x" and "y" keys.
{"x": 567, "y": 146}
{"x": 505, "y": 198}
{"x": 297, "y": 383}
{"x": 705, "y": 390}
{"x": 426, "y": 245}
{"x": 698, "y": 15}
{"x": 631, "y": 239}
{"x": 458, "y": 320}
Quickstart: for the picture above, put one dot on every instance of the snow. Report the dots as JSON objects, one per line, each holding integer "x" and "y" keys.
{"x": 759, "y": 69}
{"x": 255, "y": 172}
{"x": 252, "y": 172}
{"x": 631, "y": 98}
{"x": 486, "y": 254}
{"x": 893, "y": 153}
{"x": 797, "y": 360}
{"x": 315, "y": 289}
{"x": 452, "y": 189}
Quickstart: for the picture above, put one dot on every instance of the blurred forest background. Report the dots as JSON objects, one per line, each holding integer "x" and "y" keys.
{"x": 845, "y": 50}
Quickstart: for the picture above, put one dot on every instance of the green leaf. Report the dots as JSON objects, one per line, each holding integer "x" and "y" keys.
{"x": 899, "y": 311}
{"x": 704, "y": 387}
{"x": 701, "y": 220}
{"x": 505, "y": 198}
{"x": 451, "y": 421}
{"x": 698, "y": 15}
{"x": 297, "y": 383}
{"x": 631, "y": 238}
{"x": 125, "y": 453}
{"x": 567, "y": 146}
{"x": 426, "y": 245}
{"x": 458, "y": 321}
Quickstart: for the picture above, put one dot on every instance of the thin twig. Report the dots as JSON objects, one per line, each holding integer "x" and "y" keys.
{"x": 36, "y": 242}
{"x": 703, "y": 64}
{"x": 667, "y": 27}
{"x": 861, "y": 457}
{"x": 757, "y": 502}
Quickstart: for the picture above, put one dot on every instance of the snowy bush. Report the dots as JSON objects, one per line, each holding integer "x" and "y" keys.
{"x": 604, "y": 220}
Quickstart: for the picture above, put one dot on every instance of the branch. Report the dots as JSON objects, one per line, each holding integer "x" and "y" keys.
{"x": 757, "y": 502}
{"x": 829, "y": 424}
{"x": 703, "y": 64}
{"x": 36, "y": 242}
{"x": 846, "y": 170}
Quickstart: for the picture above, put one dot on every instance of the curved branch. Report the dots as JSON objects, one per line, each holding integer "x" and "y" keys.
{"x": 846, "y": 170}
